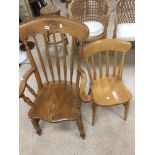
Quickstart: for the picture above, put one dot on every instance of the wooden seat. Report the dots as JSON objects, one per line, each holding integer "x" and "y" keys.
{"x": 57, "y": 98}
{"x": 108, "y": 89}
{"x": 61, "y": 104}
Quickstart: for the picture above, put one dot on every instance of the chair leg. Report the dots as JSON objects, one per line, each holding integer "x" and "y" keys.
{"x": 66, "y": 39}
{"x": 94, "y": 107}
{"x": 81, "y": 128}
{"x": 35, "y": 123}
{"x": 126, "y": 109}
{"x": 89, "y": 92}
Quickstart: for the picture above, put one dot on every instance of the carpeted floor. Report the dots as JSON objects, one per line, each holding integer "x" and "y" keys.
{"x": 111, "y": 135}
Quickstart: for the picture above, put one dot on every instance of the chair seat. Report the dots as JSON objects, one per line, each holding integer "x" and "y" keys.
{"x": 110, "y": 91}
{"x": 95, "y": 28}
{"x": 126, "y": 31}
{"x": 57, "y": 102}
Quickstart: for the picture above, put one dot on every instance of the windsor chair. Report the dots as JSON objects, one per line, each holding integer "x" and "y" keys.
{"x": 93, "y": 13}
{"x": 57, "y": 99}
{"x": 125, "y": 21}
{"x": 108, "y": 89}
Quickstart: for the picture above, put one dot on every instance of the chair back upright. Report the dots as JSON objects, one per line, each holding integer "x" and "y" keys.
{"x": 56, "y": 65}
{"x": 93, "y": 56}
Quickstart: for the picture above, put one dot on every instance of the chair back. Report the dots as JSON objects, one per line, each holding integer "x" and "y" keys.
{"x": 38, "y": 29}
{"x": 94, "y": 53}
{"x": 125, "y": 11}
{"x": 92, "y": 10}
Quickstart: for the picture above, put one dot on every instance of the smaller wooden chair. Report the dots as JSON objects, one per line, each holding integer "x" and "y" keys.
{"x": 125, "y": 21}
{"x": 108, "y": 89}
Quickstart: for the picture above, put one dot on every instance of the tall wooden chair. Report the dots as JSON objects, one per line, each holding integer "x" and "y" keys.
{"x": 58, "y": 98}
{"x": 93, "y": 13}
{"x": 108, "y": 89}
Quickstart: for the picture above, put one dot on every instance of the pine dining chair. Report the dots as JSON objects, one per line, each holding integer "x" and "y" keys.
{"x": 57, "y": 99}
{"x": 108, "y": 89}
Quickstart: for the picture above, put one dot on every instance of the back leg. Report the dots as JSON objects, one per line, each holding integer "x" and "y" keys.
{"x": 126, "y": 109}
{"x": 94, "y": 107}
{"x": 81, "y": 128}
{"x": 35, "y": 123}
{"x": 89, "y": 92}
{"x": 66, "y": 39}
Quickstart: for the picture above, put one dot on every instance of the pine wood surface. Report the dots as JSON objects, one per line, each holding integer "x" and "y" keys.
{"x": 105, "y": 89}
{"x": 56, "y": 100}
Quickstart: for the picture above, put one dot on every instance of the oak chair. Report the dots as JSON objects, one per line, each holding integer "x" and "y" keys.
{"x": 57, "y": 99}
{"x": 108, "y": 89}
{"x": 125, "y": 20}
{"x": 93, "y": 13}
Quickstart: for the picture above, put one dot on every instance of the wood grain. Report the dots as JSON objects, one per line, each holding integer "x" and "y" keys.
{"x": 108, "y": 89}
{"x": 56, "y": 100}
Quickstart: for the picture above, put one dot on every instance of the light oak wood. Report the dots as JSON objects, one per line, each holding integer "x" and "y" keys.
{"x": 64, "y": 56}
{"x": 94, "y": 66}
{"x": 89, "y": 71}
{"x": 56, "y": 57}
{"x": 40, "y": 58}
{"x": 72, "y": 60}
{"x": 33, "y": 64}
{"x": 115, "y": 64}
{"x": 107, "y": 63}
{"x": 83, "y": 94}
{"x": 100, "y": 63}
{"x": 108, "y": 89}
{"x": 24, "y": 80}
{"x": 27, "y": 100}
{"x": 31, "y": 90}
{"x": 56, "y": 100}
{"x": 106, "y": 45}
{"x": 126, "y": 109}
{"x": 48, "y": 55}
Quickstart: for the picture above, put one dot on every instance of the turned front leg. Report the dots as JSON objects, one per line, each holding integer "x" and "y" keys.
{"x": 35, "y": 123}
{"x": 126, "y": 110}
